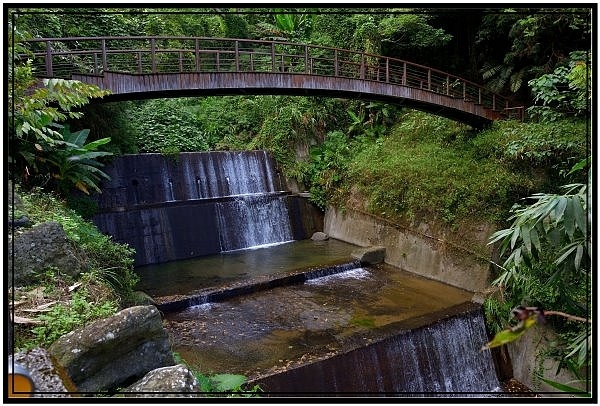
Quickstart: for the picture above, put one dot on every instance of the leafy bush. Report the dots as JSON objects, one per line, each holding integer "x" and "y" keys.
{"x": 327, "y": 166}
{"x": 166, "y": 125}
{"x": 110, "y": 261}
{"x": 557, "y": 146}
{"x": 425, "y": 166}
{"x": 63, "y": 318}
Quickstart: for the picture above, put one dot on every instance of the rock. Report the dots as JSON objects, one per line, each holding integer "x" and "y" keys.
{"x": 174, "y": 381}
{"x": 114, "y": 351}
{"x": 369, "y": 255}
{"x": 46, "y": 376}
{"x": 13, "y": 198}
{"x": 22, "y": 221}
{"x": 35, "y": 250}
{"x": 319, "y": 236}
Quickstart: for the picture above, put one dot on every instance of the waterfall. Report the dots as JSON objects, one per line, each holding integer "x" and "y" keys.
{"x": 194, "y": 203}
{"x": 441, "y": 359}
{"x": 251, "y": 221}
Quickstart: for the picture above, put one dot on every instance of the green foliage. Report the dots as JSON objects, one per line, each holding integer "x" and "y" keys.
{"x": 286, "y": 26}
{"x": 565, "y": 91}
{"x": 35, "y": 115}
{"x": 63, "y": 318}
{"x": 167, "y": 125}
{"x": 538, "y": 41}
{"x": 408, "y": 31}
{"x": 511, "y": 334}
{"x": 547, "y": 262}
{"x": 231, "y": 384}
{"x": 328, "y": 164}
{"x": 74, "y": 163}
{"x": 428, "y": 159}
{"x": 526, "y": 146}
{"x": 559, "y": 222}
{"x": 109, "y": 261}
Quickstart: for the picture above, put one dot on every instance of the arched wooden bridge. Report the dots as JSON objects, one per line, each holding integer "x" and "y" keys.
{"x": 153, "y": 67}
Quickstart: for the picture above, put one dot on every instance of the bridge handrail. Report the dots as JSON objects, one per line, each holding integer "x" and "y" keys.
{"x": 363, "y": 65}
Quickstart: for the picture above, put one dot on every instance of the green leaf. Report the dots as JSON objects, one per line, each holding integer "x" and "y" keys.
{"x": 95, "y": 144}
{"x": 580, "y": 217}
{"x": 511, "y": 334}
{"x": 228, "y": 382}
{"x": 526, "y": 235}
{"x": 569, "y": 218}
{"x": 566, "y": 388}
{"x": 560, "y": 208}
{"x": 78, "y": 138}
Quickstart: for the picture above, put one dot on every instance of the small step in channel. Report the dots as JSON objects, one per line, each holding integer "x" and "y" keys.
{"x": 253, "y": 285}
{"x": 334, "y": 322}
{"x": 179, "y": 284}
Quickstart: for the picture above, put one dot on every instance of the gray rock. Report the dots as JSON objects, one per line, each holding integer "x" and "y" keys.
{"x": 13, "y": 198}
{"x": 174, "y": 381}
{"x": 319, "y": 236}
{"x": 114, "y": 351}
{"x": 369, "y": 255}
{"x": 35, "y": 250}
{"x": 46, "y": 376}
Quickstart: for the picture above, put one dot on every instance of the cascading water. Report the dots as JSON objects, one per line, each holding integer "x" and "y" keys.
{"x": 341, "y": 328}
{"x": 194, "y": 204}
{"x": 250, "y": 221}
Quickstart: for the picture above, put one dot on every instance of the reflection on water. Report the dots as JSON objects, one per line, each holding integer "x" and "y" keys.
{"x": 185, "y": 277}
{"x": 265, "y": 331}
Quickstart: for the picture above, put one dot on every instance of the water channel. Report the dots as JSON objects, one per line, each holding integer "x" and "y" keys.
{"x": 242, "y": 293}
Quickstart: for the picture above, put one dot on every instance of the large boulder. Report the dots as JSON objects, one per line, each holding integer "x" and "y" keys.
{"x": 174, "y": 381}
{"x": 114, "y": 351}
{"x": 43, "y": 246}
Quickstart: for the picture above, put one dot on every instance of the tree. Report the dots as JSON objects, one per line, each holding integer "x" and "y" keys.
{"x": 539, "y": 40}
{"x": 36, "y": 111}
{"x": 549, "y": 240}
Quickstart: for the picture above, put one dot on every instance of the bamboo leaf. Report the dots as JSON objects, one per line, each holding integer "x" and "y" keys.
{"x": 535, "y": 240}
{"x": 559, "y": 209}
{"x": 526, "y": 236}
{"x": 566, "y": 388}
{"x": 579, "y": 214}
{"x": 578, "y": 256}
{"x": 569, "y": 218}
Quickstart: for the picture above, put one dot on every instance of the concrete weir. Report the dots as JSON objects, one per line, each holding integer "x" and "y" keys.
{"x": 367, "y": 330}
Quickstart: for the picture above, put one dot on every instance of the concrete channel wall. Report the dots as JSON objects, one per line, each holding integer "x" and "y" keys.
{"x": 418, "y": 250}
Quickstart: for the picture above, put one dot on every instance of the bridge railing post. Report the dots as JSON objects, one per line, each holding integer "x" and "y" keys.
{"x": 153, "y": 54}
{"x": 336, "y": 70}
{"x": 237, "y": 56}
{"x": 273, "y": 57}
{"x": 139, "y": 58}
{"x": 49, "y": 70}
{"x": 387, "y": 70}
{"x": 404, "y": 78}
{"x": 428, "y": 79}
{"x": 362, "y": 66}
{"x": 104, "y": 61}
{"x": 197, "y": 53}
{"x": 306, "y": 59}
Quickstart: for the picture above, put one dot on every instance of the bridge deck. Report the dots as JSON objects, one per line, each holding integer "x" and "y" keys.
{"x": 147, "y": 67}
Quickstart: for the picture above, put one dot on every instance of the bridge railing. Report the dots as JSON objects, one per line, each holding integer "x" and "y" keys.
{"x": 61, "y": 57}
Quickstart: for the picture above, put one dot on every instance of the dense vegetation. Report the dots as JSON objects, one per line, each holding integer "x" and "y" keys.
{"x": 426, "y": 166}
